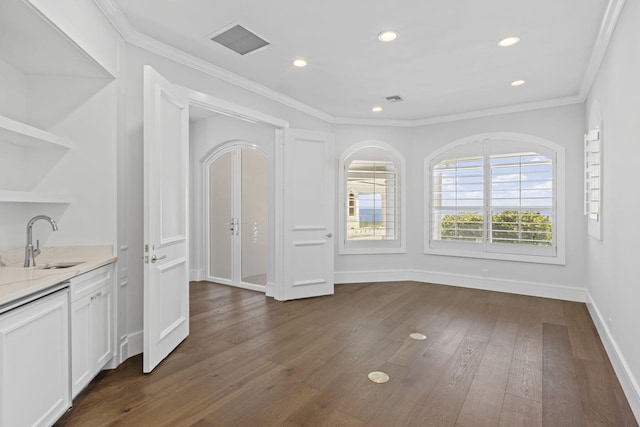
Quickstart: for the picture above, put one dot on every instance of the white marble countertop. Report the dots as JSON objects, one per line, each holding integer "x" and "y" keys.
{"x": 17, "y": 282}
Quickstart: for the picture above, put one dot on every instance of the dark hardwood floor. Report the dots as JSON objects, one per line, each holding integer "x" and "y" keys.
{"x": 490, "y": 359}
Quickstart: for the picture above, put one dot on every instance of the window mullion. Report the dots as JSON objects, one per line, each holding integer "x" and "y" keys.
{"x": 487, "y": 179}
{"x": 520, "y": 198}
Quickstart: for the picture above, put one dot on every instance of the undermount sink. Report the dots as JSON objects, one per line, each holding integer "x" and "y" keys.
{"x": 59, "y": 265}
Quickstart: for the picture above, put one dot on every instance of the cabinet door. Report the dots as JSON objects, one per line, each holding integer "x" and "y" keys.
{"x": 101, "y": 328}
{"x": 34, "y": 362}
{"x": 81, "y": 358}
{"x": 92, "y": 328}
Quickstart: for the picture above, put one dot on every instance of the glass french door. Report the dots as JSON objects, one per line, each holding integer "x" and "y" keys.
{"x": 237, "y": 217}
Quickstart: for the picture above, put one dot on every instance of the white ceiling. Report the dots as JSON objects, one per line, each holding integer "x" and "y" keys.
{"x": 444, "y": 62}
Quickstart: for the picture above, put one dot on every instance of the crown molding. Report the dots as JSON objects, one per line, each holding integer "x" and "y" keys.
{"x": 607, "y": 27}
{"x": 529, "y": 106}
{"x": 372, "y": 122}
{"x": 132, "y": 36}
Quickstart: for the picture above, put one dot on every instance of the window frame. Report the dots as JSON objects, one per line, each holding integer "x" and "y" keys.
{"x": 486, "y": 250}
{"x": 354, "y": 152}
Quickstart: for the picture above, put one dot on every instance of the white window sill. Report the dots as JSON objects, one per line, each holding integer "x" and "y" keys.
{"x": 368, "y": 251}
{"x": 559, "y": 259}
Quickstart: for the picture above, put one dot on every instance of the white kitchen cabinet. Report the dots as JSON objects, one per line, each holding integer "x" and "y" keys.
{"x": 34, "y": 362}
{"x": 92, "y": 325}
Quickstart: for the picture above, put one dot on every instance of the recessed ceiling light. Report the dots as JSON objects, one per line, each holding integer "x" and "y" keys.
{"x": 376, "y": 109}
{"x": 517, "y": 83}
{"x": 300, "y": 62}
{"x": 509, "y": 41}
{"x": 387, "y": 36}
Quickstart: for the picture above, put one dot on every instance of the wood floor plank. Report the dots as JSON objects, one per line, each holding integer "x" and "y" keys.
{"x": 253, "y": 361}
{"x": 525, "y": 375}
{"x": 596, "y": 391}
{"x": 407, "y": 400}
{"x": 372, "y": 342}
{"x": 264, "y": 390}
{"x": 453, "y": 334}
{"x": 627, "y": 418}
{"x": 368, "y": 396}
{"x": 483, "y": 404}
{"x": 530, "y": 321}
{"x": 552, "y": 311}
{"x": 411, "y": 349}
{"x": 337, "y": 418}
{"x": 442, "y": 405}
{"x": 520, "y": 412}
{"x": 561, "y": 403}
{"x": 584, "y": 338}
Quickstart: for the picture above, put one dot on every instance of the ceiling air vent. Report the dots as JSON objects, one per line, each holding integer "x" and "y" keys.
{"x": 394, "y": 98}
{"x": 239, "y": 40}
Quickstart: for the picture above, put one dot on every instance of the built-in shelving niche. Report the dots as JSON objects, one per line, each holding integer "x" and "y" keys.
{"x": 44, "y": 76}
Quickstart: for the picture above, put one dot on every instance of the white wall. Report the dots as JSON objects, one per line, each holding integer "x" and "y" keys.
{"x": 612, "y": 264}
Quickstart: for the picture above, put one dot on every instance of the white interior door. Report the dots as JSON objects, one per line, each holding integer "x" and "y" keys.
{"x": 308, "y": 214}
{"x": 221, "y": 218}
{"x": 166, "y": 246}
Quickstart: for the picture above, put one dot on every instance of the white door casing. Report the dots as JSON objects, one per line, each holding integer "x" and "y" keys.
{"x": 166, "y": 246}
{"x": 308, "y": 214}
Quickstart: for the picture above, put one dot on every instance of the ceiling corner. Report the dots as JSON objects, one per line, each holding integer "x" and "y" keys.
{"x": 607, "y": 28}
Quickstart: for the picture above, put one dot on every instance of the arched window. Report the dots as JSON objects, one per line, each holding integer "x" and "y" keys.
{"x": 497, "y": 196}
{"x": 372, "y": 199}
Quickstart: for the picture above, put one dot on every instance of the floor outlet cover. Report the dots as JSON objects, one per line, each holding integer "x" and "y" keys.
{"x": 378, "y": 377}
{"x": 417, "y": 336}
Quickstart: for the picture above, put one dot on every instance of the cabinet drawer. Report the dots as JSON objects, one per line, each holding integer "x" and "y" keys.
{"x": 91, "y": 281}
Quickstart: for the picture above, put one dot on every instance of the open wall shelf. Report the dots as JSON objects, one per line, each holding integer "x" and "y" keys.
{"x": 10, "y": 196}
{"x": 23, "y": 134}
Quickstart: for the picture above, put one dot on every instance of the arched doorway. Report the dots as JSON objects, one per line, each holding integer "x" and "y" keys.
{"x": 237, "y": 216}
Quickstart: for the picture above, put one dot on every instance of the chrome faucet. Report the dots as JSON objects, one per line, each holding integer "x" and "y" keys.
{"x": 30, "y": 254}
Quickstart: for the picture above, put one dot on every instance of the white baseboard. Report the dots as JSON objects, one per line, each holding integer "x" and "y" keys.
{"x": 476, "y": 282}
{"x": 625, "y": 376}
{"x": 372, "y": 276}
{"x": 124, "y": 349}
{"x": 270, "y": 289}
{"x": 519, "y": 287}
{"x": 196, "y": 275}
{"x": 131, "y": 346}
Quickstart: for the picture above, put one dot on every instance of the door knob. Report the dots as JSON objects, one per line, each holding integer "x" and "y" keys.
{"x": 329, "y": 235}
{"x": 155, "y": 258}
